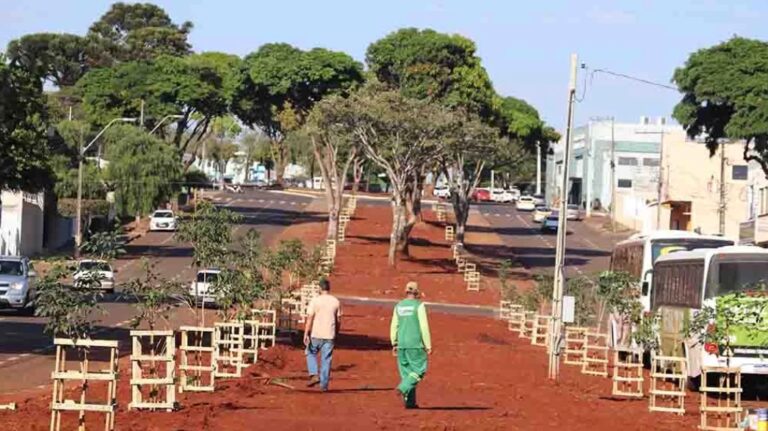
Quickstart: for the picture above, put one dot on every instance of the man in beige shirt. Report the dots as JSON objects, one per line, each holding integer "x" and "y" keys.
{"x": 323, "y": 324}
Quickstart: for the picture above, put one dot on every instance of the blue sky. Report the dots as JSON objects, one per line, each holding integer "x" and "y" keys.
{"x": 525, "y": 44}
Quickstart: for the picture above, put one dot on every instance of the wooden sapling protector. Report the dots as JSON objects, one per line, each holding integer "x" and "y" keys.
{"x": 516, "y": 318}
{"x": 197, "y": 367}
{"x": 574, "y": 345}
{"x": 267, "y": 330}
{"x": 228, "y": 348}
{"x": 595, "y": 359}
{"x": 540, "y": 334}
{"x": 668, "y": 377}
{"x": 61, "y": 375}
{"x": 721, "y": 408}
{"x": 160, "y": 357}
{"x": 627, "y": 373}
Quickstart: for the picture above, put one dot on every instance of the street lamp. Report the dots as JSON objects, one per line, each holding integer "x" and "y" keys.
{"x": 78, "y": 227}
{"x": 177, "y": 116}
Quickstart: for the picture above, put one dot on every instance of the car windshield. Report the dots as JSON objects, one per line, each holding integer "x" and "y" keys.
{"x": 573, "y": 207}
{"x": 11, "y": 267}
{"x": 541, "y": 208}
{"x": 162, "y": 214}
{"x": 207, "y": 277}
{"x": 661, "y": 247}
{"x": 94, "y": 266}
{"x": 526, "y": 199}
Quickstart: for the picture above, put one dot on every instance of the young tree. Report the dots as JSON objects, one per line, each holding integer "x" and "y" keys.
{"x": 723, "y": 87}
{"x": 70, "y": 311}
{"x": 107, "y": 245}
{"x": 281, "y": 86}
{"x": 335, "y": 148}
{"x": 209, "y": 230}
{"x": 620, "y": 297}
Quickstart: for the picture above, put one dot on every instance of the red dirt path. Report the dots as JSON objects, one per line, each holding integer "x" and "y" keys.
{"x": 481, "y": 376}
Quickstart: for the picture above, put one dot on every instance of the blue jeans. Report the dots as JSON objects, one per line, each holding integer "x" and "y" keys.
{"x": 325, "y": 348}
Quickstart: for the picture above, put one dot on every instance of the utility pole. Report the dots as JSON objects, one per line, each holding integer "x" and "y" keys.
{"x": 660, "y": 185}
{"x": 141, "y": 114}
{"x": 613, "y": 177}
{"x": 555, "y": 335}
{"x": 492, "y": 178}
{"x": 721, "y": 207}
{"x": 538, "y": 169}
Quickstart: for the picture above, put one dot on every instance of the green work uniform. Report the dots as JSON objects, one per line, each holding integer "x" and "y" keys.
{"x": 409, "y": 331}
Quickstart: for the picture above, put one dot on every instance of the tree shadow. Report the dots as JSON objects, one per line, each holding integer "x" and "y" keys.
{"x": 455, "y": 408}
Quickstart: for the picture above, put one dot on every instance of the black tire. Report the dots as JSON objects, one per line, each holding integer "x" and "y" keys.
{"x": 693, "y": 383}
{"x": 28, "y": 309}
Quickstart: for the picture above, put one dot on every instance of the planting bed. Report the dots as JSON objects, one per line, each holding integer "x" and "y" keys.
{"x": 480, "y": 377}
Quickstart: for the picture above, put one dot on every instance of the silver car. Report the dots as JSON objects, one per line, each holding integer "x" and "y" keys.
{"x": 573, "y": 212}
{"x": 17, "y": 284}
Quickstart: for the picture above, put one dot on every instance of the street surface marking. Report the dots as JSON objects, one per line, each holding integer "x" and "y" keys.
{"x": 592, "y": 244}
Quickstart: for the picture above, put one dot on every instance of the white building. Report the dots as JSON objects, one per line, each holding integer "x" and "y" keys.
{"x": 21, "y": 223}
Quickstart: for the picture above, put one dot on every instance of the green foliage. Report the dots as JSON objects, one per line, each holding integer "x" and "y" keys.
{"x": 140, "y": 31}
{"x": 292, "y": 262}
{"x": 90, "y": 207}
{"x": 646, "y": 332}
{"x": 106, "y": 245}
{"x": 24, "y": 152}
{"x": 619, "y": 293}
{"x": 243, "y": 282}
{"x": 59, "y": 57}
{"x": 584, "y": 293}
{"x": 144, "y": 171}
{"x": 533, "y": 299}
{"x": 155, "y": 297}
{"x": 69, "y": 311}
{"x": 196, "y": 178}
{"x": 209, "y": 230}
{"x": 425, "y": 64}
{"x": 508, "y": 289}
{"x": 723, "y": 88}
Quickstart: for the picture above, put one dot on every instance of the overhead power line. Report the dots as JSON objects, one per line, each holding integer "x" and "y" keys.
{"x": 633, "y": 78}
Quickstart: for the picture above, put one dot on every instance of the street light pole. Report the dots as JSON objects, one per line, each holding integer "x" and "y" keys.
{"x": 160, "y": 123}
{"x": 79, "y": 212}
{"x": 555, "y": 334}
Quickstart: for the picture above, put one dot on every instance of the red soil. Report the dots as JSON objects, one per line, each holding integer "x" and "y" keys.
{"x": 480, "y": 377}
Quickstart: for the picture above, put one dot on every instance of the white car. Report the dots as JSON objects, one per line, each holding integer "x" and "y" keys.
{"x": 442, "y": 192}
{"x": 502, "y": 196}
{"x": 199, "y": 289}
{"x": 539, "y": 200}
{"x": 573, "y": 212}
{"x": 515, "y": 194}
{"x": 162, "y": 220}
{"x": 526, "y": 203}
{"x": 551, "y": 223}
{"x": 540, "y": 213}
{"x": 101, "y": 272}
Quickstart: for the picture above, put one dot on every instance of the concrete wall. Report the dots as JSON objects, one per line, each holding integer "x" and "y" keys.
{"x": 21, "y": 223}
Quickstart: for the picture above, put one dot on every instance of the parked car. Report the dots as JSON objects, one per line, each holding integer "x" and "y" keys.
{"x": 162, "y": 220}
{"x": 573, "y": 212}
{"x": 515, "y": 194}
{"x": 17, "y": 284}
{"x": 100, "y": 271}
{"x": 539, "y": 199}
{"x": 525, "y": 203}
{"x": 481, "y": 195}
{"x": 540, "y": 212}
{"x": 442, "y": 192}
{"x": 502, "y": 196}
{"x": 199, "y": 289}
{"x": 551, "y": 222}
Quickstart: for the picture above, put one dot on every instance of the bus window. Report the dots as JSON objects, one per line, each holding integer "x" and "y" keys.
{"x": 659, "y": 245}
{"x": 731, "y": 276}
{"x": 677, "y": 284}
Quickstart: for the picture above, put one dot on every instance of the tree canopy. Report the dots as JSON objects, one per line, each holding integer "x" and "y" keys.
{"x": 426, "y": 64}
{"x": 138, "y": 31}
{"x": 59, "y": 58}
{"x": 24, "y": 147}
{"x": 725, "y": 88}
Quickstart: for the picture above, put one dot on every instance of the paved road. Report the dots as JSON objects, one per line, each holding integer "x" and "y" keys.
{"x": 25, "y": 355}
{"x": 587, "y": 249}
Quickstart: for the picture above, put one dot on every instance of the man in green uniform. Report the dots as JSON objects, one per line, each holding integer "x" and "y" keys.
{"x": 409, "y": 332}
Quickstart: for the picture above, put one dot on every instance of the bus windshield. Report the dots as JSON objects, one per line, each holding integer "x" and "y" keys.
{"x": 738, "y": 273}
{"x": 661, "y": 247}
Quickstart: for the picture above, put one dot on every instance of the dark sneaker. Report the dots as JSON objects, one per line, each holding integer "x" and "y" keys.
{"x": 313, "y": 380}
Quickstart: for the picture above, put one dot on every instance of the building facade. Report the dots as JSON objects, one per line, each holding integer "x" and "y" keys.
{"x": 612, "y": 161}
{"x": 21, "y": 223}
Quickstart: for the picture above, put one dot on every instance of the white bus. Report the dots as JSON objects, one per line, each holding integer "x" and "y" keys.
{"x": 637, "y": 255}
{"x": 686, "y": 281}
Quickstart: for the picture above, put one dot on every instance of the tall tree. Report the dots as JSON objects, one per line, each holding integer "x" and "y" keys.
{"x": 725, "y": 88}
{"x": 24, "y": 151}
{"x": 59, "y": 58}
{"x": 198, "y": 87}
{"x": 401, "y": 135}
{"x": 282, "y": 84}
{"x": 143, "y": 170}
{"x": 138, "y": 31}
{"x": 334, "y": 148}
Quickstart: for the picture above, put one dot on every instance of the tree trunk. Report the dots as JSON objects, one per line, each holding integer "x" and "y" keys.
{"x": 280, "y": 161}
{"x": 398, "y": 228}
{"x": 357, "y": 172}
{"x": 461, "y": 212}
